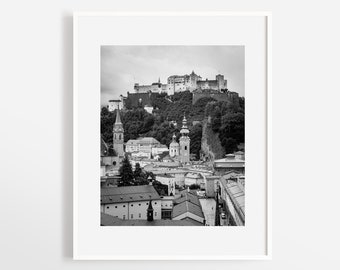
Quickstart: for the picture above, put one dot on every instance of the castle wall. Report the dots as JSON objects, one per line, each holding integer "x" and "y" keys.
{"x": 133, "y": 99}
{"x": 229, "y": 96}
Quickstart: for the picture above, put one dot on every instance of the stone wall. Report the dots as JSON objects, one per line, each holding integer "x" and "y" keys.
{"x": 219, "y": 96}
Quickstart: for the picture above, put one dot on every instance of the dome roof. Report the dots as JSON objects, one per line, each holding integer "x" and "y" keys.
{"x": 174, "y": 143}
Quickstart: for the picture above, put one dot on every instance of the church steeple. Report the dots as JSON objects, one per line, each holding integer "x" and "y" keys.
{"x": 118, "y": 135}
{"x": 184, "y": 142}
{"x": 184, "y": 131}
{"x": 118, "y": 121}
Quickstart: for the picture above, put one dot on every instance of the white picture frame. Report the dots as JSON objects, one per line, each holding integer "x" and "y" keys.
{"x": 92, "y": 29}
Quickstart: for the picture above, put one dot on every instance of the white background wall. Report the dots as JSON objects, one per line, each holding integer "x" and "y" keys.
{"x": 36, "y": 133}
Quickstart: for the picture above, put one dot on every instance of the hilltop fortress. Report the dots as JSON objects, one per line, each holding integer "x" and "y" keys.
{"x": 179, "y": 83}
{"x": 142, "y": 94}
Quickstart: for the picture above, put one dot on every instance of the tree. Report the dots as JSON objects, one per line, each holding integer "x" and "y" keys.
{"x": 126, "y": 173}
{"x": 230, "y": 145}
{"x": 195, "y": 140}
{"x": 161, "y": 189}
{"x": 138, "y": 171}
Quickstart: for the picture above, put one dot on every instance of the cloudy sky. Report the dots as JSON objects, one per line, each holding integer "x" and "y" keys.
{"x": 123, "y": 66}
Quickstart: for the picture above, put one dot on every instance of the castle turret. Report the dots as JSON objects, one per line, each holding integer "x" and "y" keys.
{"x": 118, "y": 135}
{"x": 184, "y": 142}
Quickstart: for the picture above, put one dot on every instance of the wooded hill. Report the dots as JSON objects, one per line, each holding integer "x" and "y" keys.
{"x": 226, "y": 118}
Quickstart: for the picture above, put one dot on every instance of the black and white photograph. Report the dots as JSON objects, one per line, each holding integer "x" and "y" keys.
{"x": 172, "y": 135}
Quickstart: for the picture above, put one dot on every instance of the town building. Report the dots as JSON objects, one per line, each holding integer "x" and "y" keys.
{"x": 109, "y": 165}
{"x": 159, "y": 149}
{"x": 194, "y": 179}
{"x": 143, "y": 145}
{"x": 229, "y": 163}
{"x": 188, "y": 207}
{"x": 169, "y": 180}
{"x": 148, "y": 108}
{"x": 167, "y": 205}
{"x": 114, "y": 104}
{"x": 130, "y": 202}
{"x": 232, "y": 194}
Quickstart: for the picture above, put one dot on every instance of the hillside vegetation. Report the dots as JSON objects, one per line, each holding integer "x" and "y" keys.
{"x": 227, "y": 120}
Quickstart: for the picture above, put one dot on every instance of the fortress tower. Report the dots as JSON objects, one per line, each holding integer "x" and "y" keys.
{"x": 221, "y": 83}
{"x": 184, "y": 142}
{"x": 118, "y": 136}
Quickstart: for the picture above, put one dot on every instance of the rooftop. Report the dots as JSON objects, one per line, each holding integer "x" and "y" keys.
{"x": 188, "y": 202}
{"x": 128, "y": 194}
{"x": 107, "y": 220}
{"x": 185, "y": 207}
{"x": 145, "y": 140}
{"x": 236, "y": 194}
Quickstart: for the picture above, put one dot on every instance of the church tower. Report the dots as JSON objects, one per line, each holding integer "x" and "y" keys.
{"x": 174, "y": 147}
{"x": 118, "y": 136}
{"x": 184, "y": 142}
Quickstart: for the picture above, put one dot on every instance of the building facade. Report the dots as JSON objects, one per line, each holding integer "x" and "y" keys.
{"x": 130, "y": 202}
{"x": 179, "y": 83}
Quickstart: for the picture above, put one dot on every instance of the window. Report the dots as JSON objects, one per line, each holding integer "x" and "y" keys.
{"x": 120, "y": 136}
{"x": 147, "y": 203}
{"x": 155, "y": 214}
{"x": 123, "y": 216}
{"x": 131, "y": 215}
{"x": 185, "y": 147}
{"x": 131, "y": 205}
{"x": 114, "y": 163}
{"x": 155, "y": 202}
{"x": 139, "y": 204}
{"x": 116, "y": 206}
{"x": 124, "y": 205}
{"x": 107, "y": 207}
{"x": 140, "y": 215}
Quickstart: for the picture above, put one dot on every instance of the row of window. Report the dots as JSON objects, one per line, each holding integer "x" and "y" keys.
{"x": 139, "y": 215}
{"x": 116, "y": 206}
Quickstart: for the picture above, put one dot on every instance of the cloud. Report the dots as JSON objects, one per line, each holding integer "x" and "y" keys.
{"x": 122, "y": 66}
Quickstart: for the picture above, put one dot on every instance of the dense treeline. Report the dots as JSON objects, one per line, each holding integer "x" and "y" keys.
{"x": 226, "y": 118}
{"x": 139, "y": 177}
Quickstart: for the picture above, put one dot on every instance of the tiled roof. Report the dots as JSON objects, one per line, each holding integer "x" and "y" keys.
{"x": 226, "y": 162}
{"x": 148, "y": 140}
{"x": 107, "y": 220}
{"x": 185, "y": 207}
{"x": 188, "y": 202}
{"x": 194, "y": 175}
{"x": 236, "y": 194}
{"x": 187, "y": 196}
{"x": 128, "y": 194}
